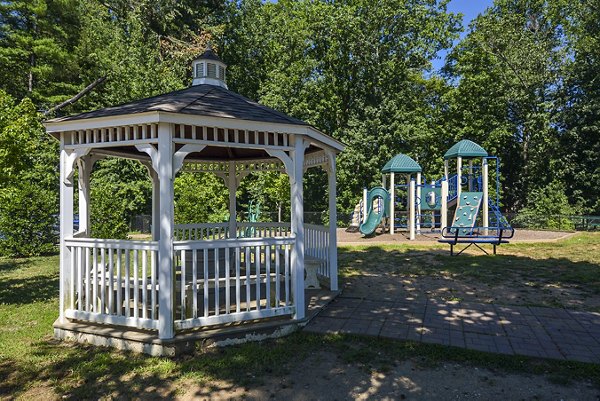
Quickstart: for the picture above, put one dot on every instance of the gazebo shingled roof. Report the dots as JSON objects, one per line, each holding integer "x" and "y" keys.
{"x": 201, "y": 100}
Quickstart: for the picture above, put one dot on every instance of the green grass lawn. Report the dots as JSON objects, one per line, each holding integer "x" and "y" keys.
{"x": 554, "y": 274}
{"x": 33, "y": 365}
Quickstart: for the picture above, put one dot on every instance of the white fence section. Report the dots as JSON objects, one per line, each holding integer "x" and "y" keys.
{"x": 199, "y": 232}
{"x": 263, "y": 230}
{"x": 225, "y": 281}
{"x": 113, "y": 282}
{"x": 316, "y": 245}
{"x": 218, "y": 279}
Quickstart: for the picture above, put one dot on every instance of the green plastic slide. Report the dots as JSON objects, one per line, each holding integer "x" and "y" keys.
{"x": 374, "y": 217}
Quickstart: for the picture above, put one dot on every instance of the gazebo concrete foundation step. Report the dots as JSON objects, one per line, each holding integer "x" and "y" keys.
{"x": 187, "y": 341}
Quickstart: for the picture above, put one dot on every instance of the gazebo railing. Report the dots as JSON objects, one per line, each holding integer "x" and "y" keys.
{"x": 316, "y": 245}
{"x": 263, "y": 229}
{"x": 224, "y": 281}
{"x": 113, "y": 282}
{"x": 201, "y": 231}
{"x": 316, "y": 236}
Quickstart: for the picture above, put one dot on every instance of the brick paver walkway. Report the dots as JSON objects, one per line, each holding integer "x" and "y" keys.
{"x": 533, "y": 331}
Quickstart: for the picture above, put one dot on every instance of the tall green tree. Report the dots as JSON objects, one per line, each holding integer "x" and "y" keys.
{"x": 578, "y": 158}
{"x": 355, "y": 69}
{"x": 508, "y": 71}
{"x": 28, "y": 181}
{"x": 37, "y": 42}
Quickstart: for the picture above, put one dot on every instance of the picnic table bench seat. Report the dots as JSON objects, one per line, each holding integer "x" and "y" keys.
{"x": 474, "y": 236}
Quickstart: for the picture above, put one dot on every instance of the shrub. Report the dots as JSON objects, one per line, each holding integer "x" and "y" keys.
{"x": 27, "y": 223}
{"x": 547, "y": 208}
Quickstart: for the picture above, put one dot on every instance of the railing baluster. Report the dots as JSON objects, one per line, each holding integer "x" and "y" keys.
{"x": 95, "y": 281}
{"x": 287, "y": 275}
{"x": 80, "y": 279}
{"x": 277, "y": 272}
{"x": 144, "y": 284}
{"x": 248, "y": 271}
{"x": 205, "y": 282}
{"x": 110, "y": 281}
{"x": 119, "y": 285}
{"x": 153, "y": 281}
{"x": 227, "y": 281}
{"x": 136, "y": 285}
{"x": 195, "y": 283}
{"x": 268, "y": 275}
{"x": 73, "y": 278}
{"x": 237, "y": 280}
{"x": 87, "y": 280}
{"x": 217, "y": 275}
{"x": 257, "y": 264}
{"x": 127, "y": 283}
{"x": 182, "y": 285}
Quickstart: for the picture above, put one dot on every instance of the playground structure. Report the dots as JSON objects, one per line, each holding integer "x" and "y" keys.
{"x": 408, "y": 202}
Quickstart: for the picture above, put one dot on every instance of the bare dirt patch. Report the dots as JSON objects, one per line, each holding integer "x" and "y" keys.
{"x": 325, "y": 376}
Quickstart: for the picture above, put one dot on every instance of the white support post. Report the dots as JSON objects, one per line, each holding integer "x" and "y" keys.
{"x": 485, "y": 200}
{"x": 419, "y": 194}
{"x": 383, "y": 180}
{"x": 66, "y": 226}
{"x": 297, "y": 226}
{"x": 85, "y": 168}
{"x": 432, "y": 201}
{"x": 444, "y": 208}
{"x": 155, "y": 205}
{"x": 446, "y": 169}
{"x": 166, "y": 293}
{"x": 333, "y": 260}
{"x": 458, "y": 178}
{"x": 471, "y": 175}
{"x": 232, "y": 184}
{"x": 411, "y": 209}
{"x": 365, "y": 208}
{"x": 392, "y": 203}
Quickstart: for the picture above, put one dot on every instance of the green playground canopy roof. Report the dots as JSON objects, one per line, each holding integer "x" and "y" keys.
{"x": 401, "y": 163}
{"x": 465, "y": 149}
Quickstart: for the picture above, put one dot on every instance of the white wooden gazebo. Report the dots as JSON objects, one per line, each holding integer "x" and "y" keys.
{"x": 193, "y": 276}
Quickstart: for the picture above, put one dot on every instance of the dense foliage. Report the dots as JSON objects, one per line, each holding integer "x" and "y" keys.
{"x": 523, "y": 81}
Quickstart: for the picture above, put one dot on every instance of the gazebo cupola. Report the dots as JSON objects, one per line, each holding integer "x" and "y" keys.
{"x": 209, "y": 69}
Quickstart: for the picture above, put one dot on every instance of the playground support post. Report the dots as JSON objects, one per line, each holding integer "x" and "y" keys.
{"x": 392, "y": 202}
{"x": 444, "y": 208}
{"x": 419, "y": 193}
{"x": 332, "y": 192}
{"x": 433, "y": 202}
{"x": 458, "y": 177}
{"x": 411, "y": 208}
{"x": 365, "y": 210}
{"x": 446, "y": 169}
{"x": 484, "y": 181}
{"x": 470, "y": 175}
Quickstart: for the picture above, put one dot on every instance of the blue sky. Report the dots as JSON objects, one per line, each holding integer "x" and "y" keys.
{"x": 470, "y": 9}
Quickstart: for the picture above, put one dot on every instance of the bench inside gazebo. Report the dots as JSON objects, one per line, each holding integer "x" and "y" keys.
{"x": 145, "y": 295}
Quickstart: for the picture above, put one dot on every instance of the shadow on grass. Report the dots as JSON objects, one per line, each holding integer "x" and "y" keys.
{"x": 384, "y": 272}
{"x": 19, "y": 291}
{"x": 341, "y": 367}
{"x": 9, "y": 265}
